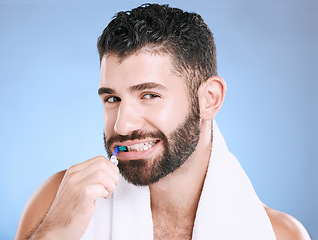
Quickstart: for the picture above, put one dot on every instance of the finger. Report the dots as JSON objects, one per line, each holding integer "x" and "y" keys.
{"x": 83, "y": 165}
{"x": 101, "y": 177}
{"x": 90, "y": 193}
{"x": 104, "y": 165}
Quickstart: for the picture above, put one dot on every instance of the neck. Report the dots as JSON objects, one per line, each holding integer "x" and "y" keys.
{"x": 179, "y": 192}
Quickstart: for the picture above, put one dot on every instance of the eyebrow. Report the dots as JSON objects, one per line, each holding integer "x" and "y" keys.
{"x": 135, "y": 88}
{"x": 103, "y": 90}
{"x": 147, "y": 85}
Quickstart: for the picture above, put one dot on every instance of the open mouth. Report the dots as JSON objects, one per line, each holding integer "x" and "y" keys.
{"x": 141, "y": 146}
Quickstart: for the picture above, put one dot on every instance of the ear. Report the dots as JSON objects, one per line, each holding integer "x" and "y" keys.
{"x": 211, "y": 96}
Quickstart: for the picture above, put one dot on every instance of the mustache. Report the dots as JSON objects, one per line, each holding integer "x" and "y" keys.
{"x": 135, "y": 135}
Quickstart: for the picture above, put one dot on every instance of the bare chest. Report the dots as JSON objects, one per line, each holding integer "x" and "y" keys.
{"x": 171, "y": 228}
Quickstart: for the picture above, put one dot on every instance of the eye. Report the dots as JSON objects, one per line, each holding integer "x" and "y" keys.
{"x": 150, "y": 96}
{"x": 112, "y": 99}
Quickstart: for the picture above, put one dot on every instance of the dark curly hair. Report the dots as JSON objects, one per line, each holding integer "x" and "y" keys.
{"x": 162, "y": 29}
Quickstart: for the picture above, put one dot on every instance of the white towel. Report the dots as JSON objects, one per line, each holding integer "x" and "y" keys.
{"x": 228, "y": 208}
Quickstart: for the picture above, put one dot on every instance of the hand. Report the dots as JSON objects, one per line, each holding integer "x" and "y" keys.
{"x": 74, "y": 203}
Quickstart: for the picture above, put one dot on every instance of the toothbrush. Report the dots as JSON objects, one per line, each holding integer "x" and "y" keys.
{"x": 113, "y": 158}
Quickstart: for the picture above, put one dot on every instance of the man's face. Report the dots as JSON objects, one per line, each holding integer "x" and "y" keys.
{"x": 147, "y": 109}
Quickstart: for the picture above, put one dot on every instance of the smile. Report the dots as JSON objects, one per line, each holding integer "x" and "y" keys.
{"x": 141, "y": 146}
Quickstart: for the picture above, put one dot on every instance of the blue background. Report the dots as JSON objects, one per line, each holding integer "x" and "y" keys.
{"x": 51, "y": 115}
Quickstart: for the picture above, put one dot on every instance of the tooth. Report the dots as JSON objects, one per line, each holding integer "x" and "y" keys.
{"x": 141, "y": 146}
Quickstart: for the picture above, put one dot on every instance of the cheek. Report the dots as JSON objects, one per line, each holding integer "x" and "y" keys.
{"x": 109, "y": 123}
{"x": 169, "y": 117}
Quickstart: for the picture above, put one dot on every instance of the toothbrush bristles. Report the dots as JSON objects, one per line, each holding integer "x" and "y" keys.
{"x": 122, "y": 148}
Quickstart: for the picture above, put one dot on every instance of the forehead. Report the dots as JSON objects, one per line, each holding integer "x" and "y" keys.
{"x": 139, "y": 68}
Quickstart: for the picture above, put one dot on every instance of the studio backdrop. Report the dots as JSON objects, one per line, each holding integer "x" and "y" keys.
{"x": 51, "y": 115}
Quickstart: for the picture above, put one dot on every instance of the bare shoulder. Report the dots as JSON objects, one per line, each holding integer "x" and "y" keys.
{"x": 285, "y": 226}
{"x": 38, "y": 205}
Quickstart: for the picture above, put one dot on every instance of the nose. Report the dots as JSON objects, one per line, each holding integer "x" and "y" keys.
{"x": 128, "y": 119}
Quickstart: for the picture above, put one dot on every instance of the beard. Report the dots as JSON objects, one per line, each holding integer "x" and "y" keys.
{"x": 178, "y": 146}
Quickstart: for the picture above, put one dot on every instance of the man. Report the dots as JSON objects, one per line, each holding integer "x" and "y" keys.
{"x": 160, "y": 93}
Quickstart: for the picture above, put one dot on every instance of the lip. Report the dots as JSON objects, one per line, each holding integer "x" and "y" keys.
{"x": 133, "y": 155}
